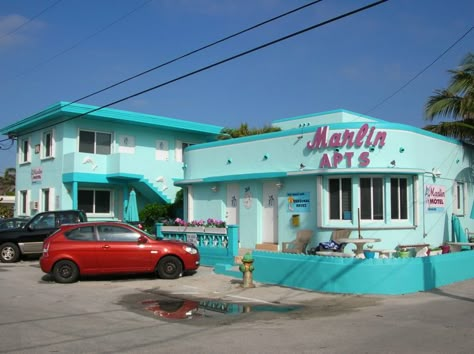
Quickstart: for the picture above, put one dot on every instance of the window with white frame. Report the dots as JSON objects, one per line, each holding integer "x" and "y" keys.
{"x": 95, "y": 142}
{"x": 23, "y": 207}
{"x": 340, "y": 199}
{"x": 162, "y": 150}
{"x": 371, "y": 198}
{"x": 47, "y": 144}
{"x": 459, "y": 198}
{"x": 95, "y": 201}
{"x": 399, "y": 198}
{"x": 46, "y": 199}
{"x": 378, "y": 198}
{"x": 25, "y": 150}
{"x": 180, "y": 146}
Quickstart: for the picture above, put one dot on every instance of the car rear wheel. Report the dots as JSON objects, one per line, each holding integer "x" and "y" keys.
{"x": 169, "y": 267}
{"x": 65, "y": 272}
{"x": 9, "y": 253}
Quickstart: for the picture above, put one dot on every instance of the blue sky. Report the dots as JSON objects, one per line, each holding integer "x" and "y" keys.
{"x": 77, "y": 47}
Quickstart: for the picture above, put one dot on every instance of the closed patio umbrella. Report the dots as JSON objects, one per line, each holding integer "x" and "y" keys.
{"x": 131, "y": 214}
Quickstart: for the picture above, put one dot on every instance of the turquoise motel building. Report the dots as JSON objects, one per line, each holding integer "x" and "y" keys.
{"x": 330, "y": 171}
{"x": 79, "y": 156}
{"x": 388, "y": 183}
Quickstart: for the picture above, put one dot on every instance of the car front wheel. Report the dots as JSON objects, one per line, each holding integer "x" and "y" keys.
{"x": 65, "y": 272}
{"x": 9, "y": 253}
{"x": 169, "y": 267}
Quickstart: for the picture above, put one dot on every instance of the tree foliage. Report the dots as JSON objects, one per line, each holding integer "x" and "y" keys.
{"x": 153, "y": 213}
{"x": 455, "y": 102}
{"x": 244, "y": 130}
{"x": 7, "y": 182}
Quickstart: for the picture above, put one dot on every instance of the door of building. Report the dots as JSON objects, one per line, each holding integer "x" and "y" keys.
{"x": 270, "y": 213}
{"x": 232, "y": 205}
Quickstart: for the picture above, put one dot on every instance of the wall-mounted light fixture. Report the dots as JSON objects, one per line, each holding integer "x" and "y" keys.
{"x": 436, "y": 172}
{"x": 229, "y": 161}
{"x": 266, "y": 156}
{"x": 279, "y": 185}
{"x": 214, "y": 189}
{"x": 302, "y": 166}
{"x": 393, "y": 163}
{"x": 402, "y": 149}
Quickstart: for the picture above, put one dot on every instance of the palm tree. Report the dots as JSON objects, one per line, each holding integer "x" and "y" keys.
{"x": 455, "y": 102}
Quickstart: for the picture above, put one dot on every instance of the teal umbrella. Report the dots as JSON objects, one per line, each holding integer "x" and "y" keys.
{"x": 131, "y": 214}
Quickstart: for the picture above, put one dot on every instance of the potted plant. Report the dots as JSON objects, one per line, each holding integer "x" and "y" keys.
{"x": 368, "y": 253}
{"x": 403, "y": 252}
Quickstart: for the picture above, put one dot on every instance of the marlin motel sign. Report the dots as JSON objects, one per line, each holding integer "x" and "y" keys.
{"x": 365, "y": 136}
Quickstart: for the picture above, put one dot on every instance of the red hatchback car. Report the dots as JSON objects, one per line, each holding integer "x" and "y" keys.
{"x": 96, "y": 248}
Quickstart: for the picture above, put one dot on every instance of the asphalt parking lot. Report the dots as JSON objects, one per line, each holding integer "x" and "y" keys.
{"x": 210, "y": 313}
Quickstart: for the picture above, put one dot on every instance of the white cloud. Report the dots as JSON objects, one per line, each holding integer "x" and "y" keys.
{"x": 14, "y": 29}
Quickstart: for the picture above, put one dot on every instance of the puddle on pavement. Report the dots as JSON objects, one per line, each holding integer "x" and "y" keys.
{"x": 163, "y": 305}
{"x": 179, "y": 309}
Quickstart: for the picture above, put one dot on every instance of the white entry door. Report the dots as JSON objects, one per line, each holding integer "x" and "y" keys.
{"x": 232, "y": 205}
{"x": 270, "y": 213}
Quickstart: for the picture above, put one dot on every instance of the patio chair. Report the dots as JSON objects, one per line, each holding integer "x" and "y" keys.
{"x": 337, "y": 235}
{"x": 299, "y": 244}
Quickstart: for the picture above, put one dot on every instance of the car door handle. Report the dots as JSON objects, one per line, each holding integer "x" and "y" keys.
{"x": 106, "y": 246}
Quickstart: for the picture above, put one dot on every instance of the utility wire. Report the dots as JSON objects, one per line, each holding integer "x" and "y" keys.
{"x": 421, "y": 72}
{"x": 196, "y": 51}
{"x": 281, "y": 39}
{"x": 30, "y": 20}
{"x": 84, "y": 39}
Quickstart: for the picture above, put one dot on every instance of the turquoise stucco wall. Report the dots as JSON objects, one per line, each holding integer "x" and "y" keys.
{"x": 391, "y": 276}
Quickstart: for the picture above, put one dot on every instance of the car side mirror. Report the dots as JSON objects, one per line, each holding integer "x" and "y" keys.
{"x": 142, "y": 239}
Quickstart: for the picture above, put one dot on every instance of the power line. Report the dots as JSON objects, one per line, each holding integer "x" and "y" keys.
{"x": 30, "y": 20}
{"x": 192, "y": 73}
{"x": 421, "y": 72}
{"x": 196, "y": 51}
{"x": 64, "y": 51}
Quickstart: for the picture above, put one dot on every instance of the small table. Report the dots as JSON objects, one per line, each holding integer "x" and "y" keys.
{"x": 459, "y": 246}
{"x": 359, "y": 242}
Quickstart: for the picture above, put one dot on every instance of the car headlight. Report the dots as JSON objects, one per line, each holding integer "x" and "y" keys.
{"x": 190, "y": 249}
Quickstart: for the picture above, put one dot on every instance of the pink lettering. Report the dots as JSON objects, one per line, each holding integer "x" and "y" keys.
{"x": 348, "y": 138}
{"x": 335, "y": 140}
{"x": 368, "y": 142}
{"x": 319, "y": 140}
{"x": 349, "y": 156}
{"x": 380, "y": 139}
{"x": 364, "y": 159}
{"x": 325, "y": 162}
{"x": 336, "y": 158}
{"x": 361, "y": 134}
{"x": 365, "y": 136}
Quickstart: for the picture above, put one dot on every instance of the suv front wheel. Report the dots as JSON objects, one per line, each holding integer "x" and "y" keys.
{"x": 9, "y": 253}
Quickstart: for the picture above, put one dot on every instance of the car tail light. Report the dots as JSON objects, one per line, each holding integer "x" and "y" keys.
{"x": 45, "y": 249}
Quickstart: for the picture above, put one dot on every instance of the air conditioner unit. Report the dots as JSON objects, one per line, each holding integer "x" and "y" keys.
{"x": 34, "y": 205}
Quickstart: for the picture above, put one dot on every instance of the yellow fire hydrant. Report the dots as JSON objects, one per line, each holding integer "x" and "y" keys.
{"x": 247, "y": 268}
